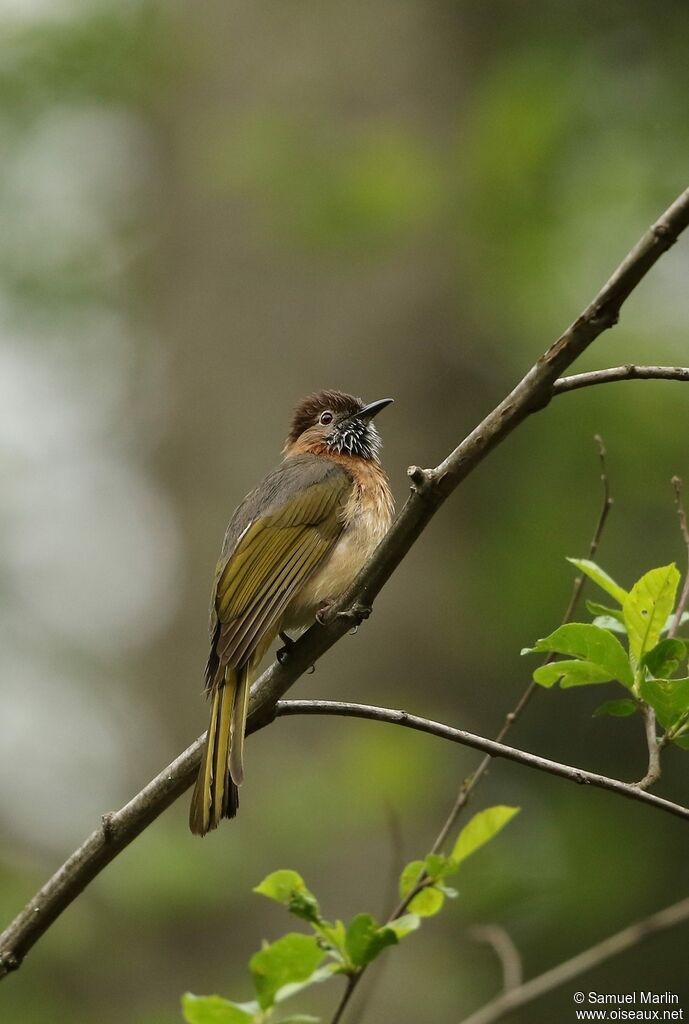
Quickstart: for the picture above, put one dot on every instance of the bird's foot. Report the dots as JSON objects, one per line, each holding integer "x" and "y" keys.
{"x": 355, "y": 614}
{"x": 323, "y": 611}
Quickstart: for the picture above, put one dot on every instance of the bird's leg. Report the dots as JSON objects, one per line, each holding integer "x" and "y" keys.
{"x": 282, "y": 652}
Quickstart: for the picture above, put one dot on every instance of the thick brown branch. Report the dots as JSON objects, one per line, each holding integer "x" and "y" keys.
{"x": 429, "y": 490}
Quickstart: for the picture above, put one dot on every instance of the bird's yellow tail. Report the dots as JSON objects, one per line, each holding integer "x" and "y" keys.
{"x": 216, "y": 793}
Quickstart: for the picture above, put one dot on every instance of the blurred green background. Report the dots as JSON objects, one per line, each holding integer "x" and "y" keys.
{"x": 207, "y": 211}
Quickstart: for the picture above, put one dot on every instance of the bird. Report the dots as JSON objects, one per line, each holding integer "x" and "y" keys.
{"x": 292, "y": 547}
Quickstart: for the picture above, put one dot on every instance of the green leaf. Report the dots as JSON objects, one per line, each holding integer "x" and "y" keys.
{"x": 212, "y": 1010}
{"x": 596, "y": 647}
{"x": 663, "y": 660}
{"x": 288, "y": 888}
{"x": 436, "y": 865}
{"x": 281, "y": 886}
{"x": 293, "y": 958}
{"x": 669, "y": 698}
{"x": 570, "y": 673}
{"x": 682, "y": 741}
{"x": 607, "y": 622}
{"x": 404, "y": 925}
{"x": 430, "y": 899}
{"x": 482, "y": 827}
{"x": 428, "y": 902}
{"x": 647, "y": 607}
{"x": 599, "y": 576}
{"x": 366, "y": 939}
{"x": 603, "y": 612}
{"x": 335, "y": 934}
{"x": 616, "y": 708}
{"x": 293, "y": 987}
{"x": 410, "y": 876}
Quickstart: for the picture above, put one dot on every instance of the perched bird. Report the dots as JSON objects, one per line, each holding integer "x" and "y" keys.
{"x": 292, "y": 546}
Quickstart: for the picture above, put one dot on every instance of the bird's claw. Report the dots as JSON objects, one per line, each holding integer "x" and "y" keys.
{"x": 322, "y": 612}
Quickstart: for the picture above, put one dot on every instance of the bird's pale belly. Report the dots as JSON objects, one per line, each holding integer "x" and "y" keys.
{"x": 351, "y": 551}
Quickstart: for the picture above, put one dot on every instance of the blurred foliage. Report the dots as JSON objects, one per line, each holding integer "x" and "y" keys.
{"x": 208, "y": 211}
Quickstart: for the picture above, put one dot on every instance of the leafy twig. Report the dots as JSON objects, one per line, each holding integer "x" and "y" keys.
{"x": 656, "y": 743}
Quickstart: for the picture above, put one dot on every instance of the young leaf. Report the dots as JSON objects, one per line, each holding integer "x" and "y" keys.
{"x": 662, "y": 661}
{"x": 410, "y": 876}
{"x": 607, "y": 622}
{"x": 437, "y": 866}
{"x": 366, "y": 939}
{"x": 334, "y": 934}
{"x": 482, "y": 827}
{"x": 616, "y": 708}
{"x": 570, "y": 673}
{"x": 430, "y": 899}
{"x": 293, "y": 987}
{"x": 281, "y": 886}
{"x": 594, "y": 646}
{"x": 212, "y": 1010}
{"x": 404, "y": 925}
{"x": 669, "y": 698}
{"x": 609, "y": 614}
{"x": 647, "y": 607}
{"x": 599, "y": 576}
{"x": 293, "y": 958}
{"x": 288, "y": 888}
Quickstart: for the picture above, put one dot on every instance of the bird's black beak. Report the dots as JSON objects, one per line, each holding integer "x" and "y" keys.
{"x": 372, "y": 409}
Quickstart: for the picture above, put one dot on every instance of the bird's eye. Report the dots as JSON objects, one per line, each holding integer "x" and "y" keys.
{"x": 326, "y": 417}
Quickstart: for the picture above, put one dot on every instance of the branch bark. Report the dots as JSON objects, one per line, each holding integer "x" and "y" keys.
{"x": 430, "y": 488}
{"x": 615, "y": 373}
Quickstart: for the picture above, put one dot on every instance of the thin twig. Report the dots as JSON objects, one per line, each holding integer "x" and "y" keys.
{"x": 430, "y": 488}
{"x": 350, "y": 987}
{"x": 492, "y": 748}
{"x": 502, "y": 944}
{"x": 681, "y": 515}
{"x": 497, "y": 1008}
{"x": 654, "y": 770}
{"x": 617, "y": 373}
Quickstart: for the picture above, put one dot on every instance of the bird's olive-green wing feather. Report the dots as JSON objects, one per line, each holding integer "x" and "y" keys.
{"x": 272, "y": 558}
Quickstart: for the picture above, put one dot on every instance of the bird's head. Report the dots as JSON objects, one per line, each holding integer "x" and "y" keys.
{"x": 336, "y": 423}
